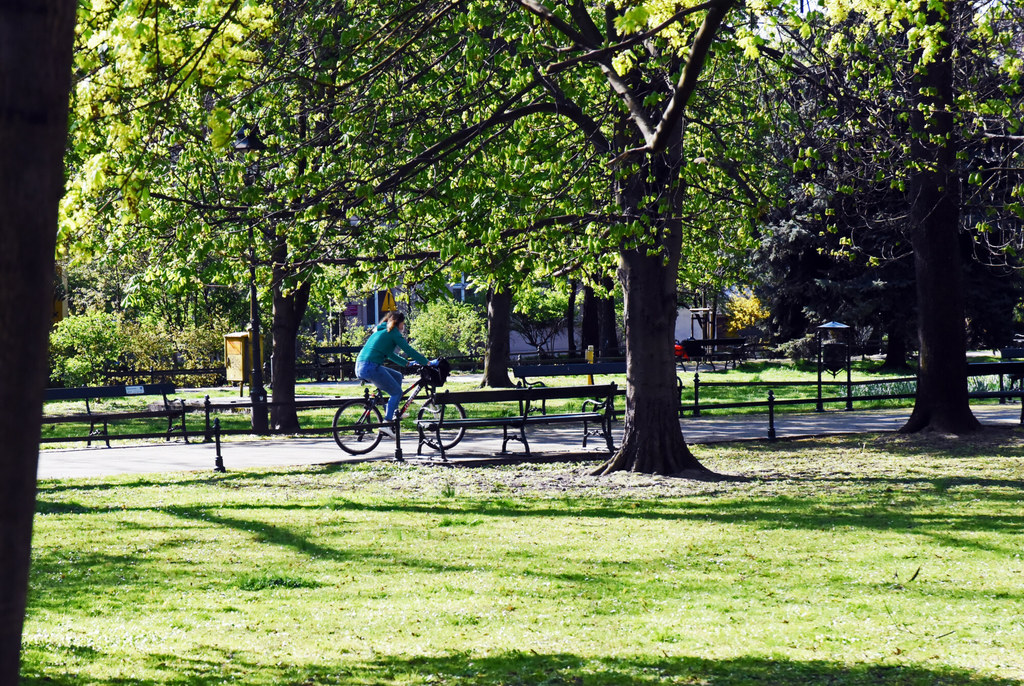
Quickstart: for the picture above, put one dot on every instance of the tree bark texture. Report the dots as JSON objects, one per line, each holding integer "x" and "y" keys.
{"x": 942, "y": 401}
{"x": 35, "y": 77}
{"x": 499, "y": 325}
{"x": 289, "y": 309}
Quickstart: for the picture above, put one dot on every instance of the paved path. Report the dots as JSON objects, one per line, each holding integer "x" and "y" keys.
{"x": 547, "y": 441}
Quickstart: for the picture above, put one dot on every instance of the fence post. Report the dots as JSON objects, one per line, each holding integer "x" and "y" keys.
{"x": 696, "y": 394}
{"x": 849, "y": 384}
{"x": 207, "y": 406}
{"x": 771, "y": 415}
{"x": 218, "y": 461}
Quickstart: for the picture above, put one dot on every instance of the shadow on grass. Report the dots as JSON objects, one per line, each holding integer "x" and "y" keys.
{"x": 520, "y": 667}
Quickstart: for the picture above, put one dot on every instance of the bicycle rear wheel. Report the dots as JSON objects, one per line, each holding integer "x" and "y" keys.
{"x": 449, "y": 437}
{"x": 351, "y": 432}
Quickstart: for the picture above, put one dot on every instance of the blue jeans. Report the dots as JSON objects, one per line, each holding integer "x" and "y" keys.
{"x": 386, "y": 379}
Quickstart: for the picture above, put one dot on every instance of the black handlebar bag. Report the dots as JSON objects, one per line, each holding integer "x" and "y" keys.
{"x": 436, "y": 376}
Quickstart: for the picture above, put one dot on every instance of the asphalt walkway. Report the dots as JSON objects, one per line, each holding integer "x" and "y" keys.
{"x": 547, "y": 442}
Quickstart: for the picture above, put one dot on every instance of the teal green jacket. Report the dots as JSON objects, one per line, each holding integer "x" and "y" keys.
{"x": 381, "y": 344}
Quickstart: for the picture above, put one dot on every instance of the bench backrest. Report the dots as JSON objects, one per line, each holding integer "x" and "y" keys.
{"x": 993, "y": 368}
{"x": 570, "y": 369}
{"x": 87, "y": 392}
{"x": 336, "y": 350}
{"x": 498, "y": 395}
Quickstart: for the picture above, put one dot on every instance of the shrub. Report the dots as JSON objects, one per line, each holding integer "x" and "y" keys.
{"x": 748, "y": 317}
{"x": 449, "y": 328}
{"x": 83, "y": 346}
{"x": 800, "y": 349}
{"x": 355, "y": 334}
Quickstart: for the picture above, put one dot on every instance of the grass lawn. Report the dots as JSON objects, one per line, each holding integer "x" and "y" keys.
{"x": 855, "y": 560}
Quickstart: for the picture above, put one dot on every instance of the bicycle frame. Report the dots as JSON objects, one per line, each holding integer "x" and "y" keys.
{"x": 412, "y": 391}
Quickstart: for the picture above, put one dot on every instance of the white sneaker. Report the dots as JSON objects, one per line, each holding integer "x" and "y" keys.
{"x": 387, "y": 431}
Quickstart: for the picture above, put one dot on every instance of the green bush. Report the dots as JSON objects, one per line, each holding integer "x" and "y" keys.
{"x": 354, "y": 335}
{"x": 800, "y": 349}
{"x": 83, "y": 346}
{"x": 449, "y": 328}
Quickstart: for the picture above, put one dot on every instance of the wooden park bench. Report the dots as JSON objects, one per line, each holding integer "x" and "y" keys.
{"x": 1010, "y": 369}
{"x": 596, "y": 416}
{"x": 99, "y": 420}
{"x": 524, "y": 372}
{"x": 336, "y": 361}
{"x": 707, "y": 351}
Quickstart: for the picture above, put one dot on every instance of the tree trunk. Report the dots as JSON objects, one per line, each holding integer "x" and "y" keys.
{"x": 499, "y": 324}
{"x": 35, "y": 72}
{"x": 570, "y": 318}
{"x": 896, "y": 350}
{"x": 608, "y": 320}
{"x": 288, "y": 313}
{"x": 942, "y": 401}
{"x": 653, "y": 442}
{"x": 590, "y": 327}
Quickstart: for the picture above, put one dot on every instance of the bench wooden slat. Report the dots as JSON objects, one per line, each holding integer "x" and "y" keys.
{"x": 571, "y": 369}
{"x": 95, "y": 392}
{"x": 501, "y": 395}
{"x": 992, "y": 368}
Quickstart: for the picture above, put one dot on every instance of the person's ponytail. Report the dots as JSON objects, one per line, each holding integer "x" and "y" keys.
{"x": 394, "y": 318}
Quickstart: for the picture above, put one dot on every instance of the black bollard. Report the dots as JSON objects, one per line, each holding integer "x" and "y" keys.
{"x": 218, "y": 462}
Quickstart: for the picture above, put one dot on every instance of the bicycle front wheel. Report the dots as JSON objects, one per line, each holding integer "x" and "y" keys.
{"x": 357, "y": 427}
{"x": 449, "y": 437}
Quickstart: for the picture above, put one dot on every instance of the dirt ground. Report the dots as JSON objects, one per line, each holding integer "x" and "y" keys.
{"x": 833, "y": 463}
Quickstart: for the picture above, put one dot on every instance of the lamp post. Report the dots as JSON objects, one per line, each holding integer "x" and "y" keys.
{"x": 247, "y": 139}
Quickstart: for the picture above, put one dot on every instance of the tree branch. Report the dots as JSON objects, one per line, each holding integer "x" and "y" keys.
{"x": 671, "y": 117}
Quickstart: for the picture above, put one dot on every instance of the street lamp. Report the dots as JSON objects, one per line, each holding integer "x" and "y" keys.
{"x": 247, "y": 139}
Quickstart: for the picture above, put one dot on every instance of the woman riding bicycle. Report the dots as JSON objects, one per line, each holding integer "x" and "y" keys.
{"x": 382, "y": 346}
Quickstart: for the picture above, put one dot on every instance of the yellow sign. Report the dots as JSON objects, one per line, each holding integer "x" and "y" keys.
{"x": 389, "y": 302}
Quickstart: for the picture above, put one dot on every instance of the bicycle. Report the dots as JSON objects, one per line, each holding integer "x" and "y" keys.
{"x": 357, "y": 423}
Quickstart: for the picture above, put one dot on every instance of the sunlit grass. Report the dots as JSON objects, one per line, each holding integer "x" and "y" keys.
{"x": 841, "y": 561}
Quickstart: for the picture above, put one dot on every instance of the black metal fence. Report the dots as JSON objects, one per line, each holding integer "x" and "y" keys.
{"x": 762, "y": 395}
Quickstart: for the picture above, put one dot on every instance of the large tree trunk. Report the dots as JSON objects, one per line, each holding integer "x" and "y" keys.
{"x": 289, "y": 309}
{"x": 653, "y": 441}
{"x": 499, "y": 324}
{"x": 35, "y": 77}
{"x": 942, "y": 401}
